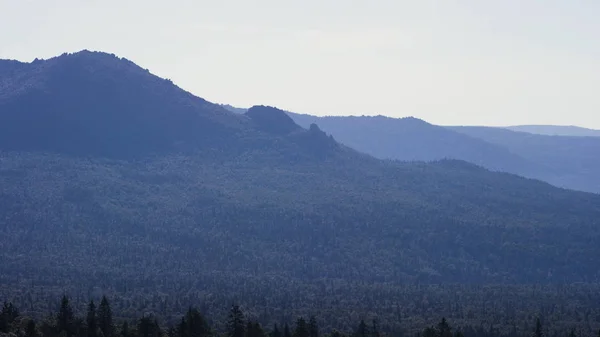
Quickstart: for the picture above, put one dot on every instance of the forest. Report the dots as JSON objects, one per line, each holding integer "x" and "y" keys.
{"x": 127, "y": 186}
{"x": 99, "y": 321}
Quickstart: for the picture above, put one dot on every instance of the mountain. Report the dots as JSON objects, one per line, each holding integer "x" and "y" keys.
{"x": 568, "y": 162}
{"x": 88, "y": 103}
{"x": 573, "y": 161}
{"x": 113, "y": 178}
{"x": 412, "y": 139}
{"x": 556, "y": 130}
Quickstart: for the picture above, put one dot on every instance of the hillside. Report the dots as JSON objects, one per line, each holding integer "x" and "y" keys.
{"x": 556, "y": 130}
{"x": 412, "y": 139}
{"x": 573, "y": 161}
{"x": 89, "y": 103}
{"x": 568, "y": 162}
{"x": 113, "y": 178}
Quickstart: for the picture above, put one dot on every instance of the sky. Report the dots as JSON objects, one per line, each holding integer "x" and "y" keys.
{"x": 449, "y": 62}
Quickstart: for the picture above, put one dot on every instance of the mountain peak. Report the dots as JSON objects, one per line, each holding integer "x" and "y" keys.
{"x": 74, "y": 69}
{"x": 314, "y": 128}
{"x": 89, "y": 55}
{"x": 96, "y": 103}
{"x": 415, "y": 121}
{"x": 272, "y": 120}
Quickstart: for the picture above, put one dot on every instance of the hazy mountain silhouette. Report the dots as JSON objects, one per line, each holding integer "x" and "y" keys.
{"x": 569, "y": 162}
{"x": 122, "y": 178}
{"x": 573, "y": 161}
{"x": 413, "y": 139}
{"x": 556, "y": 130}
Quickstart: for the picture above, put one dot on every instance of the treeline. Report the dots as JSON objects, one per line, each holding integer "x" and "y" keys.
{"x": 98, "y": 321}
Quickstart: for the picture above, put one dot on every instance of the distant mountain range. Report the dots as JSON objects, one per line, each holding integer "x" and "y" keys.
{"x": 565, "y": 161}
{"x": 556, "y": 130}
{"x": 112, "y": 177}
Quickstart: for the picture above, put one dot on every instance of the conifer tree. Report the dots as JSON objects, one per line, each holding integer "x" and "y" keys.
{"x": 444, "y": 329}
{"x": 375, "y": 328}
{"x": 125, "y": 330}
{"x": 313, "y": 327}
{"x": 105, "y": 318}
{"x": 65, "y": 317}
{"x": 193, "y": 324}
{"x": 8, "y": 315}
{"x": 286, "y": 331}
{"x": 31, "y": 329}
{"x": 275, "y": 332}
{"x": 92, "y": 324}
{"x": 301, "y": 328}
{"x": 538, "y": 329}
{"x": 181, "y": 330}
{"x": 363, "y": 330}
{"x": 236, "y": 323}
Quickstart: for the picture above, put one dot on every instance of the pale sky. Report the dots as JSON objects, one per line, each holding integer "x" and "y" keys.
{"x": 483, "y": 62}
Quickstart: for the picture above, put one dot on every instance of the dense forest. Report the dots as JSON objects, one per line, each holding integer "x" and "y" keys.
{"x": 114, "y": 181}
{"x": 100, "y": 321}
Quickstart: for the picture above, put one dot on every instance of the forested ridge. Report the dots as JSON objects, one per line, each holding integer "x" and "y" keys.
{"x": 114, "y": 181}
{"x": 564, "y": 161}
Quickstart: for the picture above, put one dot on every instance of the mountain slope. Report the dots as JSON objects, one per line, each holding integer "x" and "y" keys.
{"x": 250, "y": 204}
{"x": 90, "y": 103}
{"x": 555, "y": 130}
{"x": 573, "y": 161}
{"x": 414, "y": 140}
{"x": 568, "y": 162}
{"x": 410, "y": 139}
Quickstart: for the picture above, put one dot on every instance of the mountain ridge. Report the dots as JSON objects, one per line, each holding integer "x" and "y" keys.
{"x": 564, "y": 161}
{"x": 556, "y": 130}
{"x": 572, "y": 158}
{"x": 541, "y": 129}
{"x": 155, "y": 115}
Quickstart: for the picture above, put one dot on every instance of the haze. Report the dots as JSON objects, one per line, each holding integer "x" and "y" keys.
{"x": 448, "y": 62}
